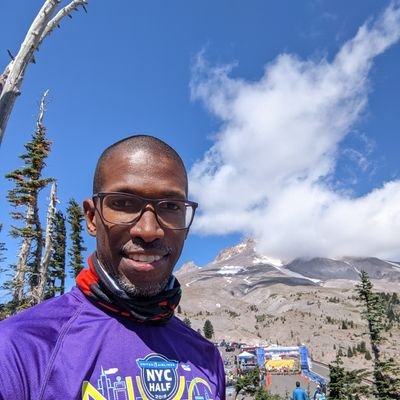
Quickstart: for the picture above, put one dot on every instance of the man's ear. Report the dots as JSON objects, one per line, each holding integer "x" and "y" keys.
{"x": 90, "y": 216}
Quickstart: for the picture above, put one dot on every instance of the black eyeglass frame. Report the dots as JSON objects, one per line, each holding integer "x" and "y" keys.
{"x": 146, "y": 201}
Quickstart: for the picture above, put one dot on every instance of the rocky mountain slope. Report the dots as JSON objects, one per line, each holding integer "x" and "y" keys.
{"x": 251, "y": 298}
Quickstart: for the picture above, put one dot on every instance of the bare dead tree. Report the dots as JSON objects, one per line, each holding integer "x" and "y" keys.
{"x": 11, "y": 79}
{"x": 38, "y": 291}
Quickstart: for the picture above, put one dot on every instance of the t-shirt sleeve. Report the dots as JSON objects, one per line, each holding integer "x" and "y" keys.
{"x": 221, "y": 378}
{"x": 13, "y": 380}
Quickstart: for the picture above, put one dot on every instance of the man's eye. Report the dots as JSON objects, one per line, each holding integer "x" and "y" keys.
{"x": 120, "y": 203}
{"x": 172, "y": 206}
{"x": 123, "y": 204}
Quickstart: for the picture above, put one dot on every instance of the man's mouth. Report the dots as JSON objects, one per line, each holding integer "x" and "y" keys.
{"x": 144, "y": 258}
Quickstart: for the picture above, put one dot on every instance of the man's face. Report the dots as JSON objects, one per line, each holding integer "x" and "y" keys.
{"x": 141, "y": 256}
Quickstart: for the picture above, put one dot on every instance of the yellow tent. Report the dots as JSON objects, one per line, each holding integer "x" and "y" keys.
{"x": 277, "y": 364}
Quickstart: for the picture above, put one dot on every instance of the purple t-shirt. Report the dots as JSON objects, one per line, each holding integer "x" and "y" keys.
{"x": 68, "y": 348}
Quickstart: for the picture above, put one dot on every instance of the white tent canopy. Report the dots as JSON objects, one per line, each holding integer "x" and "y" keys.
{"x": 246, "y": 355}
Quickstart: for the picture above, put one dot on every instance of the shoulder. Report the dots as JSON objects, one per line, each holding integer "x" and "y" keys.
{"x": 42, "y": 320}
{"x": 28, "y": 340}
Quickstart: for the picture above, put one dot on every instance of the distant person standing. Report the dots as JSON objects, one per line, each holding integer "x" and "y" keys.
{"x": 319, "y": 394}
{"x": 299, "y": 393}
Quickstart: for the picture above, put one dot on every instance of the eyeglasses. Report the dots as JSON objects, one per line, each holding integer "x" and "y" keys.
{"x": 126, "y": 209}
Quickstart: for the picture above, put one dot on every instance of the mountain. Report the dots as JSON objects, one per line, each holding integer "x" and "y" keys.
{"x": 252, "y": 298}
{"x": 246, "y": 270}
{"x": 324, "y": 269}
{"x": 188, "y": 267}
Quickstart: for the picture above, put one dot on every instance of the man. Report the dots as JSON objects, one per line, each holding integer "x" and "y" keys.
{"x": 114, "y": 336}
{"x": 299, "y": 393}
{"x": 319, "y": 394}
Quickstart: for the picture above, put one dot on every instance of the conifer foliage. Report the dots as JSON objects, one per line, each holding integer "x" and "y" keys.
{"x": 337, "y": 377}
{"x": 248, "y": 383}
{"x": 75, "y": 219}
{"x": 56, "y": 274}
{"x": 345, "y": 385}
{"x": 386, "y": 372}
{"x": 39, "y": 272}
{"x": 28, "y": 181}
{"x": 208, "y": 329}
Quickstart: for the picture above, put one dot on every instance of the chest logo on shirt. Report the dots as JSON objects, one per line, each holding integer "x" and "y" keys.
{"x": 159, "y": 378}
{"x": 155, "y": 378}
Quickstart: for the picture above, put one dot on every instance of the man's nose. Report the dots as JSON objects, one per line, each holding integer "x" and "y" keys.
{"x": 147, "y": 227}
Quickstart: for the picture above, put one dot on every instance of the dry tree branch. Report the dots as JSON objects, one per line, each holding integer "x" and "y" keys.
{"x": 55, "y": 21}
{"x": 42, "y": 109}
{"x": 13, "y": 74}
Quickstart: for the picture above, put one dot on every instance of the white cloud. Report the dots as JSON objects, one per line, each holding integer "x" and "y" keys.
{"x": 267, "y": 173}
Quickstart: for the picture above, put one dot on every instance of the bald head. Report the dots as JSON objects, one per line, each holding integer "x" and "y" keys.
{"x": 150, "y": 144}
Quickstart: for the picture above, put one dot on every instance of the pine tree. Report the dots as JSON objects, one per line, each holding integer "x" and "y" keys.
{"x": 187, "y": 321}
{"x": 28, "y": 183}
{"x": 248, "y": 383}
{"x": 262, "y": 394}
{"x": 208, "y": 329}
{"x": 345, "y": 385}
{"x": 75, "y": 219}
{"x": 56, "y": 276}
{"x": 337, "y": 375}
{"x": 386, "y": 372}
{"x": 350, "y": 352}
{"x": 363, "y": 347}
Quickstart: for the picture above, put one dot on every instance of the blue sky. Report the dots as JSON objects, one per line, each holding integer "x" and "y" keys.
{"x": 286, "y": 114}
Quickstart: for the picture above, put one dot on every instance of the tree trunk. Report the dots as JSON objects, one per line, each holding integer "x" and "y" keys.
{"x": 35, "y": 265}
{"x": 37, "y": 254}
{"x": 22, "y": 264}
{"x": 38, "y": 291}
{"x": 13, "y": 75}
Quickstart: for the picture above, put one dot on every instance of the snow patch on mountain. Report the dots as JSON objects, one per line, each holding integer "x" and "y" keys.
{"x": 247, "y": 280}
{"x": 293, "y": 274}
{"x": 352, "y": 266}
{"x": 230, "y": 270}
{"x": 189, "y": 283}
{"x": 227, "y": 279}
{"x": 394, "y": 265}
{"x": 267, "y": 260}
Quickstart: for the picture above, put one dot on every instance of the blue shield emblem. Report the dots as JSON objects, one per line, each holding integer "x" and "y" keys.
{"x": 159, "y": 376}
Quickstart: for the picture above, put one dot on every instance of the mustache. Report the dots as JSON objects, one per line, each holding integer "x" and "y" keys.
{"x": 139, "y": 244}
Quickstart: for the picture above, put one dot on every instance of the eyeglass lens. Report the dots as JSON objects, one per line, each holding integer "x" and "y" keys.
{"x": 124, "y": 208}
